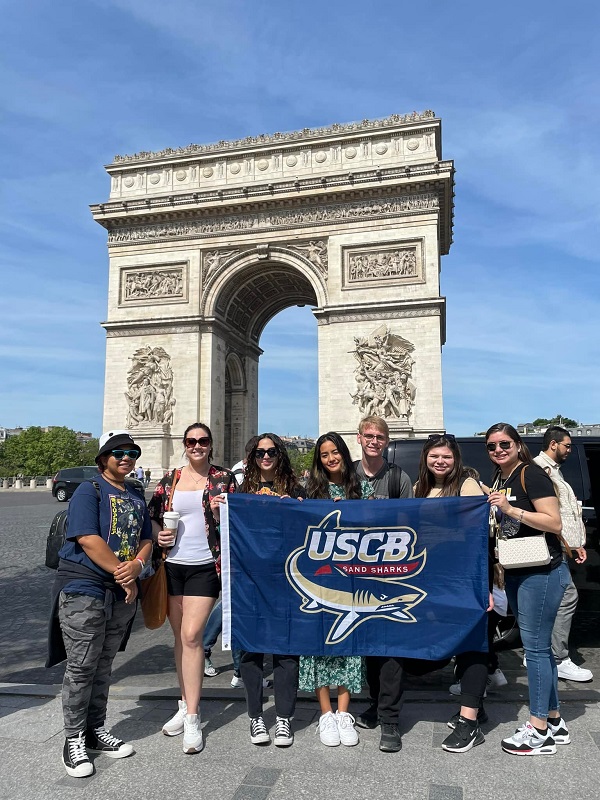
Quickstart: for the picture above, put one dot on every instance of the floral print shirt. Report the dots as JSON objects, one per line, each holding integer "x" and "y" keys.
{"x": 219, "y": 481}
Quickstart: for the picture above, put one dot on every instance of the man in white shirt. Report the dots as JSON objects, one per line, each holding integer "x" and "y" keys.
{"x": 556, "y": 449}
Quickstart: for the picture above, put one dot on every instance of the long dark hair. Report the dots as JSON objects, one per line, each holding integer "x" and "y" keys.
{"x": 208, "y": 432}
{"x": 452, "y": 481}
{"x": 317, "y": 485}
{"x": 285, "y": 479}
{"x": 523, "y": 453}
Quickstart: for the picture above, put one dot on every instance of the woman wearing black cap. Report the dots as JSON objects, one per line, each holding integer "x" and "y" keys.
{"x": 108, "y": 540}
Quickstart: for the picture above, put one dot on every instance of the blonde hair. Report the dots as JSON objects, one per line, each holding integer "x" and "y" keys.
{"x": 376, "y": 422}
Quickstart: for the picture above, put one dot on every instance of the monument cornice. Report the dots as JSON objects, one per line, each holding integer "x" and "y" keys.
{"x": 283, "y": 215}
{"x": 149, "y": 327}
{"x": 364, "y": 312}
{"x": 291, "y": 138}
{"x": 246, "y": 197}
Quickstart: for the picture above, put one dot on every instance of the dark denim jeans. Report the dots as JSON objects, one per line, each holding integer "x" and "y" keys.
{"x": 534, "y": 600}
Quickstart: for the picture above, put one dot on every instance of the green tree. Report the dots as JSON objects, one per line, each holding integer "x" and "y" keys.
{"x": 566, "y": 422}
{"x": 38, "y": 452}
{"x": 89, "y": 450}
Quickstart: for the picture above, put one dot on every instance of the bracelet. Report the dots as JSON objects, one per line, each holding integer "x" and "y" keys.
{"x": 142, "y": 562}
{"x": 521, "y": 517}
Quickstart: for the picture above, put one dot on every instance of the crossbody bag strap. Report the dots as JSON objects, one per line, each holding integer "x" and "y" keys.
{"x": 176, "y": 476}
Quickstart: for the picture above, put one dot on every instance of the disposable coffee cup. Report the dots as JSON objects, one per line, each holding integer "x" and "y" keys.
{"x": 171, "y": 520}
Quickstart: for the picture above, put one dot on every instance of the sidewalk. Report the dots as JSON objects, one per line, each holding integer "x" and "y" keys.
{"x": 231, "y": 767}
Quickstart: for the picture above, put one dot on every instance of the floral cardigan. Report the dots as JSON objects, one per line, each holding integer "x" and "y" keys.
{"x": 219, "y": 480}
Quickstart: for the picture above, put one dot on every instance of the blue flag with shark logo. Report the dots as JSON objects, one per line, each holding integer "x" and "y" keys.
{"x": 362, "y": 577}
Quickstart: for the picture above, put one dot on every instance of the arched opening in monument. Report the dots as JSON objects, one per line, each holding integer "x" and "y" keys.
{"x": 288, "y": 379}
{"x": 247, "y": 303}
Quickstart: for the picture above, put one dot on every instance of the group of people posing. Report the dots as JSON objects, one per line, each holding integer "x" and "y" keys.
{"x": 110, "y": 537}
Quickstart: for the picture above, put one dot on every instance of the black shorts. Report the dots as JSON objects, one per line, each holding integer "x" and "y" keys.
{"x": 192, "y": 580}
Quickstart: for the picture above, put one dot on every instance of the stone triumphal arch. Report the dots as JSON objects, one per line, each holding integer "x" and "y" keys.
{"x": 208, "y": 242}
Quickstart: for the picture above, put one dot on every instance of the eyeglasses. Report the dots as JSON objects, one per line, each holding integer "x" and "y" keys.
{"x": 203, "y": 441}
{"x": 433, "y": 437}
{"x": 506, "y": 445}
{"x": 379, "y": 437}
{"x": 119, "y": 454}
{"x": 270, "y": 451}
{"x": 566, "y": 446}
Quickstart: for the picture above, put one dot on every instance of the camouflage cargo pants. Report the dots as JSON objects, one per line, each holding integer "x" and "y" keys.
{"x": 91, "y": 642}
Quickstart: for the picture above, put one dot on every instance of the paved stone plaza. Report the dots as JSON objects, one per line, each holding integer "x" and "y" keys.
{"x": 144, "y": 696}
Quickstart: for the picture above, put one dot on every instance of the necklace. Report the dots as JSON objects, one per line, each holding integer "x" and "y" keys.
{"x": 504, "y": 481}
{"x": 200, "y": 479}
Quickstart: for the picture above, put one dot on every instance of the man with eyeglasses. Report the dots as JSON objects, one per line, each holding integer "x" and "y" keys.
{"x": 556, "y": 448}
{"x": 389, "y": 481}
{"x": 384, "y": 674}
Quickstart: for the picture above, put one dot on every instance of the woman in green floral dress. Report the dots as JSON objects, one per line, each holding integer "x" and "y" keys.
{"x": 332, "y": 476}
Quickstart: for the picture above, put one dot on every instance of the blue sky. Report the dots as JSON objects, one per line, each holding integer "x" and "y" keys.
{"x": 516, "y": 85}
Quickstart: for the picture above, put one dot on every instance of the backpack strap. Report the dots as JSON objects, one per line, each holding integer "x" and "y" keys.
{"x": 394, "y": 481}
{"x": 559, "y": 536}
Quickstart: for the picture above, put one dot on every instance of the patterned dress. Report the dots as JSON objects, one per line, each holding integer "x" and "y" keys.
{"x": 316, "y": 671}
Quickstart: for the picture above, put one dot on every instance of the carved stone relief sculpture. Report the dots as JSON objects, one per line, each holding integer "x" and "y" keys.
{"x": 383, "y": 376}
{"x": 150, "y": 388}
{"x": 388, "y": 263}
{"x": 152, "y": 284}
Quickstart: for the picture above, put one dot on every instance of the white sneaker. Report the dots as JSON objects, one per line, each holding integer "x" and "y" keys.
{"x": 526, "y": 741}
{"x": 328, "y": 730}
{"x": 192, "y": 735}
{"x": 237, "y": 682}
{"x": 569, "y": 671}
{"x": 560, "y": 732}
{"x": 209, "y": 670}
{"x": 346, "y": 729}
{"x": 174, "y": 726}
{"x": 496, "y": 680}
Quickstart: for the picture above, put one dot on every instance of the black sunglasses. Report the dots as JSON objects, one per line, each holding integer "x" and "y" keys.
{"x": 119, "y": 454}
{"x": 433, "y": 437}
{"x": 270, "y": 451}
{"x": 203, "y": 441}
{"x": 492, "y": 446}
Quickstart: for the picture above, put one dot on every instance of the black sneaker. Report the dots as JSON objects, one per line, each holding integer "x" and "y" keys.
{"x": 482, "y": 718}
{"x": 75, "y": 757}
{"x": 283, "y": 732}
{"x": 368, "y": 719}
{"x": 99, "y": 740}
{"x": 258, "y": 731}
{"x": 390, "y": 741}
{"x": 464, "y": 736}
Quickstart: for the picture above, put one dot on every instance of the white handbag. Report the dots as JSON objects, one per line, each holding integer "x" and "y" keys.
{"x": 523, "y": 551}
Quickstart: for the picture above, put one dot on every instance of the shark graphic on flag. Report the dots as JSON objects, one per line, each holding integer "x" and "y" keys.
{"x": 356, "y": 574}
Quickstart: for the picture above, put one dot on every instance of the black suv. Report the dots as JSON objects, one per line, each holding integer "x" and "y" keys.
{"x": 66, "y": 481}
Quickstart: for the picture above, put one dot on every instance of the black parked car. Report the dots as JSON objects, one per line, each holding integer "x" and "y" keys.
{"x": 66, "y": 481}
{"x": 581, "y": 470}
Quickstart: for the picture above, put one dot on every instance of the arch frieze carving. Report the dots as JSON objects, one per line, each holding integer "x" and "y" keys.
{"x": 282, "y": 218}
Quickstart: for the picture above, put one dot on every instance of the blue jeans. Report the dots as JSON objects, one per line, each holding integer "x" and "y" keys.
{"x": 212, "y": 629}
{"x": 535, "y": 600}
